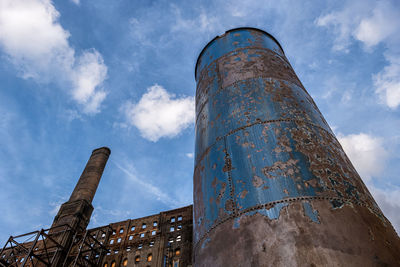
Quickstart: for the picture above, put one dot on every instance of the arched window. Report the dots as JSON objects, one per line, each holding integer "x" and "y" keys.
{"x": 177, "y": 252}
{"x": 137, "y": 259}
{"x": 113, "y": 264}
{"x": 149, "y": 257}
{"x": 125, "y": 262}
{"x": 105, "y": 264}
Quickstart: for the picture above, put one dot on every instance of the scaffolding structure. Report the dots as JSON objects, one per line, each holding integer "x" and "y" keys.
{"x": 43, "y": 247}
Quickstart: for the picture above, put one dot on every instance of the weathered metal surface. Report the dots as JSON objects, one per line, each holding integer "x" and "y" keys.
{"x": 272, "y": 185}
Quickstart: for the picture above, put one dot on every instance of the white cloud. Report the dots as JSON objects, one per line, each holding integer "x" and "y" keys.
{"x": 76, "y": 2}
{"x": 366, "y": 21}
{"x": 202, "y": 23}
{"x": 387, "y": 83}
{"x": 160, "y": 114}
{"x": 371, "y": 23}
{"x": 342, "y": 24}
{"x": 366, "y": 152}
{"x": 189, "y": 155}
{"x": 36, "y": 43}
{"x": 89, "y": 74}
{"x": 383, "y": 23}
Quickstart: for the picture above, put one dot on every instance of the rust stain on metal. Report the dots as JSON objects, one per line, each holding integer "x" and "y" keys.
{"x": 261, "y": 133}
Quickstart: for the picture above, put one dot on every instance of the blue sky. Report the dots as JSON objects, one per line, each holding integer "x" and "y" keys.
{"x": 76, "y": 75}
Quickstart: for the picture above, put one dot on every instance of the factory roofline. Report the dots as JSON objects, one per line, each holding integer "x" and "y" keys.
{"x": 231, "y": 30}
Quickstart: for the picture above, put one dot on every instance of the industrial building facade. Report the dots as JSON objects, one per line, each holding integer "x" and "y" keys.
{"x": 272, "y": 184}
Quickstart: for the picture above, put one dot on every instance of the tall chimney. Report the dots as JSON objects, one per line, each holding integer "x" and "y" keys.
{"x": 74, "y": 215}
{"x": 272, "y": 185}
{"x": 90, "y": 178}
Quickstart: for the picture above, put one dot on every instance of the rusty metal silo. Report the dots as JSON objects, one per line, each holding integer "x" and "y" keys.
{"x": 272, "y": 185}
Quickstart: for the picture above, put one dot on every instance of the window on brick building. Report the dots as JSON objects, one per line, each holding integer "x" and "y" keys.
{"x": 179, "y": 218}
{"x": 153, "y": 232}
{"x": 113, "y": 264}
{"x": 178, "y": 238}
{"x": 121, "y": 230}
{"x": 154, "y": 223}
{"x": 130, "y": 237}
{"x": 177, "y": 252}
{"x": 171, "y": 229}
{"x": 140, "y": 246}
{"x": 133, "y": 228}
{"x": 137, "y": 259}
{"x": 105, "y": 264}
{"x": 149, "y": 257}
{"x": 125, "y": 262}
{"x": 172, "y": 219}
{"x": 151, "y": 243}
{"x": 111, "y": 241}
{"x": 141, "y": 235}
{"x": 144, "y": 226}
{"x": 179, "y": 227}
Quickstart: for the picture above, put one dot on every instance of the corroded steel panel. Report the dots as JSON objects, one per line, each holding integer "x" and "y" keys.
{"x": 270, "y": 176}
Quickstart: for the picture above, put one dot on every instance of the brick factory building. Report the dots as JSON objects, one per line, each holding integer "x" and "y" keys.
{"x": 272, "y": 184}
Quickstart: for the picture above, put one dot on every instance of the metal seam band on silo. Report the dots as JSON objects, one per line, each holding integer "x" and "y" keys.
{"x": 270, "y": 176}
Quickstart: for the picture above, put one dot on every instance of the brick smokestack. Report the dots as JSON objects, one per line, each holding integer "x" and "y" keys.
{"x": 74, "y": 215}
{"x": 272, "y": 184}
{"x": 90, "y": 178}
{"x": 77, "y": 210}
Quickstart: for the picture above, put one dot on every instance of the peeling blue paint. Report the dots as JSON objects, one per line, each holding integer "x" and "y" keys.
{"x": 260, "y": 138}
{"x": 310, "y": 213}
